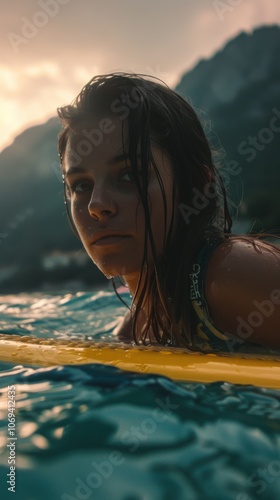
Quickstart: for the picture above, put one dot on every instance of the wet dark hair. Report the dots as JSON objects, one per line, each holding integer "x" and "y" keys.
{"x": 157, "y": 115}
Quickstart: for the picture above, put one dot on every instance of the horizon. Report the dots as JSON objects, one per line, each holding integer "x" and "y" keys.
{"x": 45, "y": 67}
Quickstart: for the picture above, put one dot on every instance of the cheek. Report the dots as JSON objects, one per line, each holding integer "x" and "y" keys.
{"x": 79, "y": 214}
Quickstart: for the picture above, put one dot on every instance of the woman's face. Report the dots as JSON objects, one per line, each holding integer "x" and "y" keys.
{"x": 105, "y": 203}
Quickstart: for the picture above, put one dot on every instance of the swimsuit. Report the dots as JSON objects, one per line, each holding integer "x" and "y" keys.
{"x": 206, "y": 335}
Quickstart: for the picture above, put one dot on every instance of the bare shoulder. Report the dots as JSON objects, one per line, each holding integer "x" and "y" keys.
{"x": 244, "y": 253}
{"x": 242, "y": 289}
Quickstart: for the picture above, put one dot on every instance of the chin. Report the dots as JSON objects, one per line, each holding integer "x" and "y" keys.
{"x": 117, "y": 270}
{"x": 109, "y": 269}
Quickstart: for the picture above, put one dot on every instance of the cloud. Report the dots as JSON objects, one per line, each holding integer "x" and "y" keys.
{"x": 83, "y": 38}
{"x": 32, "y": 95}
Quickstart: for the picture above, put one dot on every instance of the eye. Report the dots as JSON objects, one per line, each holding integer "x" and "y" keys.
{"x": 128, "y": 175}
{"x": 131, "y": 175}
{"x": 80, "y": 186}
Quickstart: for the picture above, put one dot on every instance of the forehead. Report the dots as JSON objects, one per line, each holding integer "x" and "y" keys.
{"x": 102, "y": 142}
{"x": 100, "y": 139}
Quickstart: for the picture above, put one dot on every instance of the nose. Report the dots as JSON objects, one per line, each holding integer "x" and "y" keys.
{"x": 102, "y": 203}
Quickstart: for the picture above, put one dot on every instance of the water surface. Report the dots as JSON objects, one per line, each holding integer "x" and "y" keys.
{"x": 96, "y": 432}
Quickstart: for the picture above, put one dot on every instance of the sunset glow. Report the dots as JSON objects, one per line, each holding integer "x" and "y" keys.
{"x": 48, "y": 55}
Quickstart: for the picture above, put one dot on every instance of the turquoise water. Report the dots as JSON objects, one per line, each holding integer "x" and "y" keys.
{"x": 96, "y": 432}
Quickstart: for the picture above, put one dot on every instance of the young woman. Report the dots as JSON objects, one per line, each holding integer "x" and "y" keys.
{"x": 149, "y": 206}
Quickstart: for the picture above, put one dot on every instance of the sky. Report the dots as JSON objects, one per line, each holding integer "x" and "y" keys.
{"x": 50, "y": 48}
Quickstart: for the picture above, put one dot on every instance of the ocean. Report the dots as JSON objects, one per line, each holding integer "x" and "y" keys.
{"x": 95, "y": 432}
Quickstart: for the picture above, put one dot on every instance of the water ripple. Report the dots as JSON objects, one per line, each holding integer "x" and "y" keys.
{"x": 96, "y": 432}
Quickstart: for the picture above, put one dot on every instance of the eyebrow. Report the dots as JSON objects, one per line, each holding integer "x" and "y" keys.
{"x": 73, "y": 171}
{"x": 121, "y": 157}
{"x": 118, "y": 159}
{"x": 113, "y": 161}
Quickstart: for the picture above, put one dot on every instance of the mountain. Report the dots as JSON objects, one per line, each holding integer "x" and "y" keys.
{"x": 236, "y": 94}
{"x": 31, "y": 193}
{"x": 245, "y": 61}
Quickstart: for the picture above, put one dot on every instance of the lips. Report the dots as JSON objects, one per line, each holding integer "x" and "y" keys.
{"x": 108, "y": 238}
